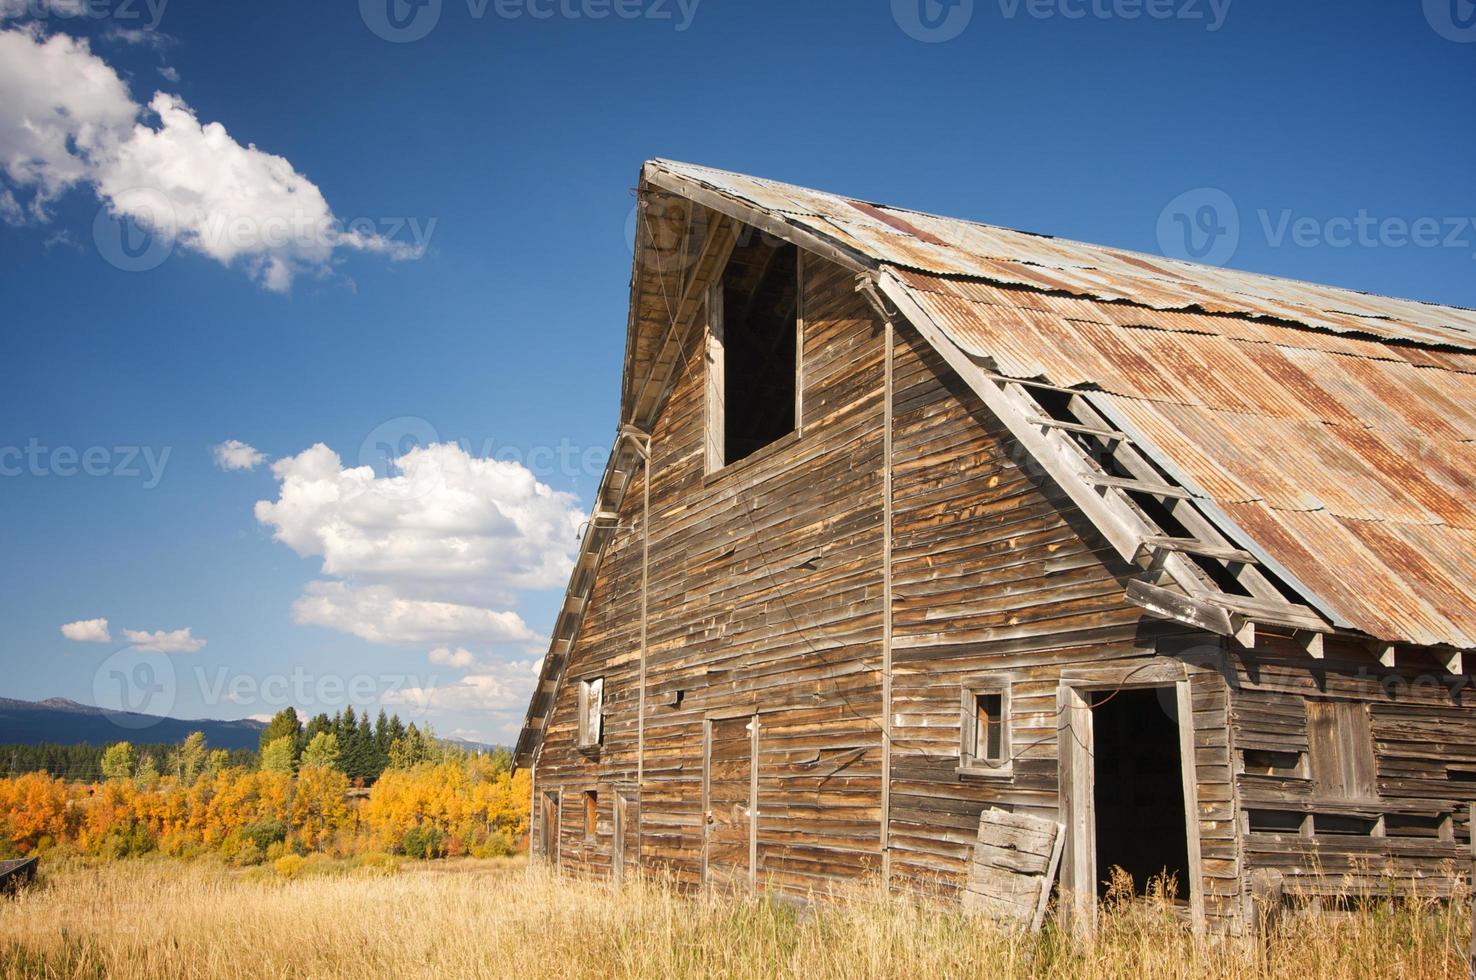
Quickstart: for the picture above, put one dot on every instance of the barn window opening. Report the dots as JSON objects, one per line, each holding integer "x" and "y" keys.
{"x": 591, "y": 712}
{"x": 753, "y": 350}
{"x": 985, "y": 744}
{"x": 1344, "y": 825}
{"x": 1138, "y": 789}
{"x": 591, "y": 814}
{"x": 1275, "y": 821}
{"x": 1340, "y": 750}
{"x": 1267, "y": 762}
{"x": 1433, "y": 826}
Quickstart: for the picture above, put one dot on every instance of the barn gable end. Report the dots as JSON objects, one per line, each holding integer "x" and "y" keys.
{"x": 1014, "y": 498}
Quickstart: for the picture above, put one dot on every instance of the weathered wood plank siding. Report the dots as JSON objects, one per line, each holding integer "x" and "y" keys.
{"x": 765, "y": 600}
{"x": 765, "y": 595}
{"x": 995, "y": 572}
{"x": 1412, "y": 832}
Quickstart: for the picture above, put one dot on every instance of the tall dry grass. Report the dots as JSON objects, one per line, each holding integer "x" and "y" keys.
{"x": 149, "y": 919}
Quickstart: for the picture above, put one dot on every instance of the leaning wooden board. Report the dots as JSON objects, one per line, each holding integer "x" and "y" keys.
{"x": 1015, "y": 862}
{"x": 16, "y": 874}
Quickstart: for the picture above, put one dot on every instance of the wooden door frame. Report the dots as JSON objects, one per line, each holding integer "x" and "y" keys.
{"x": 624, "y": 797}
{"x": 1077, "y": 772}
{"x": 551, "y": 848}
{"x": 752, "y": 714}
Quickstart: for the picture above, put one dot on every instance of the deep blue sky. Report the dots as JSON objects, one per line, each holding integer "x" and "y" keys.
{"x": 522, "y": 139}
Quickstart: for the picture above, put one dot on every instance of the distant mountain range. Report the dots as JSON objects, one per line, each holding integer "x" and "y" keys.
{"x": 64, "y": 722}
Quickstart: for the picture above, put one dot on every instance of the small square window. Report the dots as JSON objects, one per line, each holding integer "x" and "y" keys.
{"x": 591, "y": 712}
{"x": 985, "y": 730}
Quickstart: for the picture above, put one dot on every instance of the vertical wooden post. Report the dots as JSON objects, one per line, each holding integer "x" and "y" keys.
{"x": 645, "y": 613}
{"x": 753, "y": 802}
{"x": 1471, "y": 831}
{"x": 716, "y": 449}
{"x": 1184, "y": 699}
{"x": 886, "y": 679}
{"x": 1074, "y": 749}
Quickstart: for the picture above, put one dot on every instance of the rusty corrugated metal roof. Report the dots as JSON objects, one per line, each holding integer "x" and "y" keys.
{"x": 1336, "y": 429}
{"x": 953, "y": 247}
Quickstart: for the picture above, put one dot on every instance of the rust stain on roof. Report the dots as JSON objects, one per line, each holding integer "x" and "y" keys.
{"x": 1337, "y": 429}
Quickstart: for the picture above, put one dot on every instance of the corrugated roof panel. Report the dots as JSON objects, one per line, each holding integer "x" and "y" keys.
{"x": 1337, "y": 429}
{"x": 1300, "y": 445}
{"x": 983, "y": 251}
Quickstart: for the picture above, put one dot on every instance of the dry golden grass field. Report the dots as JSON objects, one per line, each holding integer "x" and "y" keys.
{"x": 467, "y": 918}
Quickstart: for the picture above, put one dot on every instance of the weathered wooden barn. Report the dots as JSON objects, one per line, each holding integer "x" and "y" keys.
{"x": 917, "y": 528}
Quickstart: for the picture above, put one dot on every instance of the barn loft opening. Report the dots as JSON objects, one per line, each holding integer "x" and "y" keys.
{"x": 759, "y": 320}
{"x": 1139, "y": 788}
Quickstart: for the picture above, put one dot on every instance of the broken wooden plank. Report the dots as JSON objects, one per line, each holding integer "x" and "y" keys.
{"x": 1137, "y": 486}
{"x": 1195, "y": 546}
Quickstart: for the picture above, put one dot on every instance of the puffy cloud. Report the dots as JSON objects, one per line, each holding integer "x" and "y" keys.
{"x": 88, "y": 631}
{"x": 434, "y": 554}
{"x": 164, "y": 641}
{"x": 446, "y": 526}
{"x": 67, "y": 118}
{"x": 504, "y": 692}
{"x": 61, "y": 109}
{"x": 375, "y": 613}
{"x": 233, "y": 454}
{"x": 460, "y": 658}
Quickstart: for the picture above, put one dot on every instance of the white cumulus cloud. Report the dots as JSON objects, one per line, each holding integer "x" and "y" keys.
{"x": 67, "y": 119}
{"x": 164, "y": 641}
{"x": 375, "y": 613}
{"x": 87, "y": 631}
{"x": 461, "y": 658}
{"x": 233, "y": 454}
{"x": 506, "y": 691}
{"x": 436, "y": 554}
{"x": 499, "y": 691}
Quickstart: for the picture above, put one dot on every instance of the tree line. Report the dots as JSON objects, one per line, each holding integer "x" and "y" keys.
{"x": 428, "y": 799}
{"x": 85, "y": 762}
{"x": 349, "y": 743}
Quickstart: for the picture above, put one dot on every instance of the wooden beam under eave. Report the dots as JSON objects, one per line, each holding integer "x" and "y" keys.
{"x": 1167, "y": 604}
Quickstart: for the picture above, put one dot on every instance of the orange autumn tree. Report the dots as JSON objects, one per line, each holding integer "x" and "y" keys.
{"x": 455, "y": 803}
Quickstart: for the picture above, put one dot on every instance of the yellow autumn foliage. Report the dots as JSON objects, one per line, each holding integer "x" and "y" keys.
{"x": 463, "y": 805}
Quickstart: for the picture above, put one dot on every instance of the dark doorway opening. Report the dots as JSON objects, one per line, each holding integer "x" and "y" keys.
{"x": 760, "y": 316}
{"x": 1138, "y": 789}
